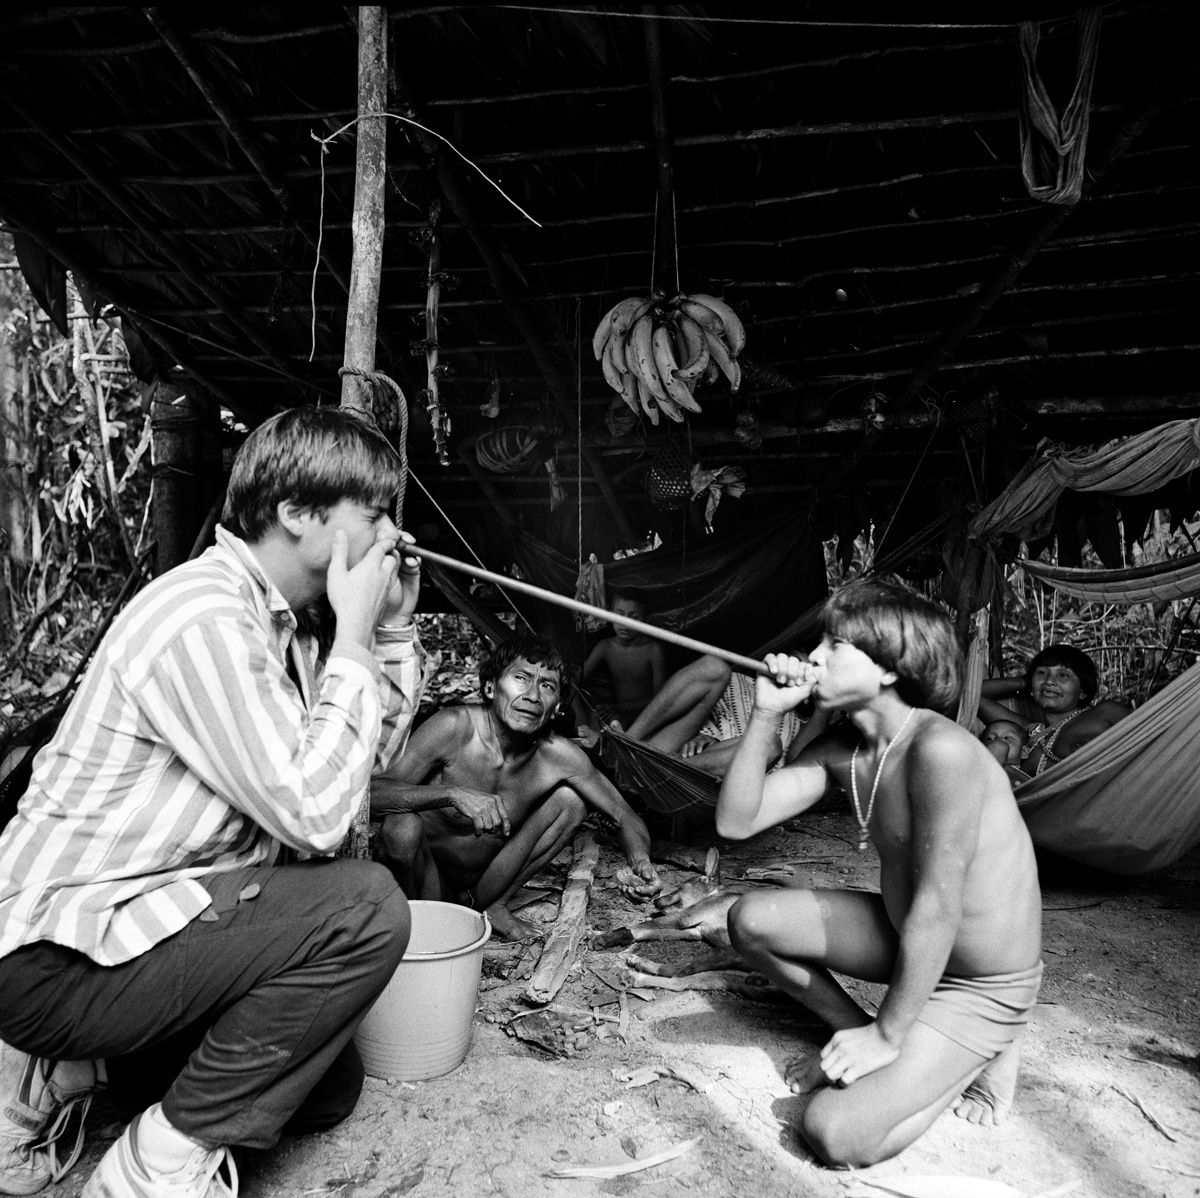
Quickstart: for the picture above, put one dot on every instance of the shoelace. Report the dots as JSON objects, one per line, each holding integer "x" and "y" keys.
{"x": 208, "y": 1165}
{"x": 75, "y": 1111}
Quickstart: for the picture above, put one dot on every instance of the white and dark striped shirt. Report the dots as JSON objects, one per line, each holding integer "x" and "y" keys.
{"x": 190, "y": 750}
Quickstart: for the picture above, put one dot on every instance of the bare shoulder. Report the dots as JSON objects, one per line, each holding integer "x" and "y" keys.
{"x": 564, "y": 754}
{"x": 450, "y": 725}
{"x": 1110, "y": 711}
{"x": 942, "y": 749}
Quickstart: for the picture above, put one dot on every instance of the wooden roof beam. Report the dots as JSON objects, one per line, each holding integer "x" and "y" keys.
{"x": 278, "y": 183}
{"x": 117, "y": 295}
{"x": 173, "y": 250}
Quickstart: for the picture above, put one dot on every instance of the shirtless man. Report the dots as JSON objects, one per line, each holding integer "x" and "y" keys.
{"x": 486, "y": 795}
{"x": 956, "y": 929}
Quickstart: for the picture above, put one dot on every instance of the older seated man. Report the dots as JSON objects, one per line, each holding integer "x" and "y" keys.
{"x": 487, "y": 794}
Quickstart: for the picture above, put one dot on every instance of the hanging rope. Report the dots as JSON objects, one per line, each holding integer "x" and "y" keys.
{"x": 377, "y": 376}
{"x": 1053, "y": 147}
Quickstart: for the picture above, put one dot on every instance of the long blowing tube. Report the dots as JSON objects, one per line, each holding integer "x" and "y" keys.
{"x": 747, "y": 665}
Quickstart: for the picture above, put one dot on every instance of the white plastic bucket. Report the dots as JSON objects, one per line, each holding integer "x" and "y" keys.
{"x": 420, "y": 1026}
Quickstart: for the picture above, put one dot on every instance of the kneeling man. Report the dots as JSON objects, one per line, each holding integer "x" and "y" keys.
{"x": 956, "y": 929}
{"x": 485, "y": 795}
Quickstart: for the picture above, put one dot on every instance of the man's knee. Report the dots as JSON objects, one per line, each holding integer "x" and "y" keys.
{"x": 566, "y": 807}
{"x": 401, "y": 838}
{"x": 378, "y": 917}
{"x": 753, "y": 924}
{"x": 714, "y": 670}
{"x": 838, "y": 1135}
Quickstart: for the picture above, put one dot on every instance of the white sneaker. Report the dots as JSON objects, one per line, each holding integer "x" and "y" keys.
{"x": 123, "y": 1174}
{"x": 42, "y": 1108}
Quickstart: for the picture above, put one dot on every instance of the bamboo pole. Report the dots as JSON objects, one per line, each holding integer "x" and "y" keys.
{"x": 747, "y": 665}
{"x": 362, "y": 309}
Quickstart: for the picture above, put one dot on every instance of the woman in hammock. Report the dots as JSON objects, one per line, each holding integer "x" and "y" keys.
{"x": 1056, "y": 702}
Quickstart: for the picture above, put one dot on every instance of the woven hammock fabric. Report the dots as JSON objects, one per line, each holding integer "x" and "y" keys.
{"x": 1128, "y": 801}
{"x": 1128, "y": 466}
{"x": 1178, "y": 578}
{"x": 666, "y": 783}
{"x": 673, "y": 786}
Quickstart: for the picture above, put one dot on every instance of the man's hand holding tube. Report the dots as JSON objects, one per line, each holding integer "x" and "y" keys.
{"x": 789, "y": 682}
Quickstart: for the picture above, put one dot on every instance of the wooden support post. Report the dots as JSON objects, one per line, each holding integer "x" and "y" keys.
{"x": 563, "y": 942}
{"x": 185, "y": 440}
{"x": 968, "y": 591}
{"x": 362, "y": 308}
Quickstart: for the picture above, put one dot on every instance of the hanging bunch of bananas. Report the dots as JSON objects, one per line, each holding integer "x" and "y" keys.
{"x": 655, "y": 351}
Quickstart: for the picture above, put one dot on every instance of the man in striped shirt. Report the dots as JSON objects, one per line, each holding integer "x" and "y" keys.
{"x": 147, "y": 914}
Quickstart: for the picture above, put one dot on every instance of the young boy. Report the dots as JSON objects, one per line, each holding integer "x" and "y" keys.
{"x": 634, "y": 664}
{"x": 955, "y": 930}
{"x": 487, "y": 794}
{"x": 145, "y": 915}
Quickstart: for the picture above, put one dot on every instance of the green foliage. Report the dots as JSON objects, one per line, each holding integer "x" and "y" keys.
{"x": 75, "y": 490}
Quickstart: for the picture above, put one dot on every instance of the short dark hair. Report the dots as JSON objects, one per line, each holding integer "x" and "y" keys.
{"x": 534, "y": 649}
{"x": 1075, "y": 660}
{"x": 903, "y": 633}
{"x": 1011, "y": 721}
{"x": 630, "y": 595}
{"x": 313, "y": 456}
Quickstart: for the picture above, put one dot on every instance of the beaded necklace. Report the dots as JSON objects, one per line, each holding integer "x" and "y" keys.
{"x": 864, "y": 821}
{"x": 1047, "y": 737}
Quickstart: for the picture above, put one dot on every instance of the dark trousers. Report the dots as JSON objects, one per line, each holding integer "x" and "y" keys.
{"x": 247, "y": 1018}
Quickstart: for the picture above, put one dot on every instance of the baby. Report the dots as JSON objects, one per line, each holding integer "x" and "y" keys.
{"x": 1004, "y": 739}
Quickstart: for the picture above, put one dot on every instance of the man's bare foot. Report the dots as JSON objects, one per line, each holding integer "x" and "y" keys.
{"x": 986, "y": 1101}
{"x": 804, "y": 1074}
{"x": 506, "y": 926}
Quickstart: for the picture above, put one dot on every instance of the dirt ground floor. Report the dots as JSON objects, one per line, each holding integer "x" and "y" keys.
{"x": 1108, "y": 1104}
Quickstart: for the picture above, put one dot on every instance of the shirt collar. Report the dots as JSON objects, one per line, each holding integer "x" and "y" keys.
{"x": 276, "y": 604}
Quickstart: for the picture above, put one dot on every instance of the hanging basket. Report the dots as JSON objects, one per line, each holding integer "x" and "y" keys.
{"x": 507, "y": 450}
{"x": 668, "y": 482}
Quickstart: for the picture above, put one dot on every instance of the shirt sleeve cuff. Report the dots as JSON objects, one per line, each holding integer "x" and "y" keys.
{"x": 353, "y": 661}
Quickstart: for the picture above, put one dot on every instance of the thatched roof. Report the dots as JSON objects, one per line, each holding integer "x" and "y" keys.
{"x": 848, "y": 180}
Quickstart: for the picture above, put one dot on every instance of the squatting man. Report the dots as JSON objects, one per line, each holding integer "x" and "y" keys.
{"x": 955, "y": 931}
{"x": 485, "y": 795}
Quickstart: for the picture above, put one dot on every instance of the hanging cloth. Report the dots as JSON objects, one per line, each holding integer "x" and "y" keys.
{"x": 1126, "y": 466}
{"x": 1128, "y": 801}
{"x": 1053, "y": 147}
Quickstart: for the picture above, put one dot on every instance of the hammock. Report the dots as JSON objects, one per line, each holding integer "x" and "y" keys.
{"x": 1128, "y": 801}
{"x": 671, "y": 785}
{"x": 1178, "y": 578}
